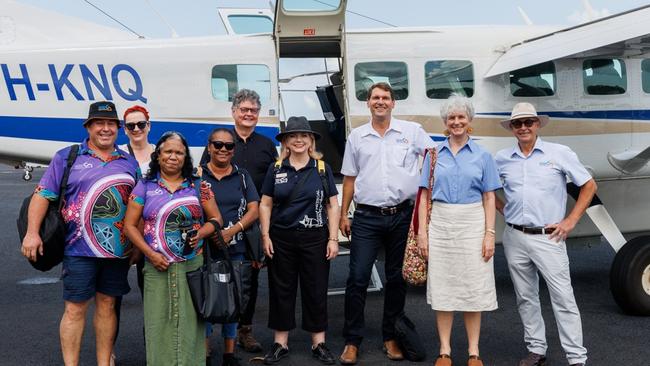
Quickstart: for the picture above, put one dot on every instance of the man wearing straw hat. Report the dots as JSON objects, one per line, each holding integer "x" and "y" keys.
{"x": 534, "y": 174}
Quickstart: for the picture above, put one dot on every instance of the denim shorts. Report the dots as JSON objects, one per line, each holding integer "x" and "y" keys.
{"x": 83, "y": 277}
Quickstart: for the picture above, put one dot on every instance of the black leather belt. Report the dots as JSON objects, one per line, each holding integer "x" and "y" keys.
{"x": 386, "y": 211}
{"x": 530, "y": 230}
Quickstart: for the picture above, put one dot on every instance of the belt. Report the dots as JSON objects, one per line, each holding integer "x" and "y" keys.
{"x": 530, "y": 230}
{"x": 386, "y": 211}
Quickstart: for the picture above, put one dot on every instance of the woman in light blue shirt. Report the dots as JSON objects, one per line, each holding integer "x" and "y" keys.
{"x": 459, "y": 239}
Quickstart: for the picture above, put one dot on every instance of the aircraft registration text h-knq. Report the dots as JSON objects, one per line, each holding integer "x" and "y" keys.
{"x": 124, "y": 80}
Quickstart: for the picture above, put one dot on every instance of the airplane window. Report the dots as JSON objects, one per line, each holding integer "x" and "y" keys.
{"x": 391, "y": 72}
{"x": 604, "y": 76}
{"x": 447, "y": 77}
{"x": 645, "y": 75}
{"x": 228, "y": 79}
{"x": 315, "y": 6}
{"x": 533, "y": 81}
{"x": 250, "y": 24}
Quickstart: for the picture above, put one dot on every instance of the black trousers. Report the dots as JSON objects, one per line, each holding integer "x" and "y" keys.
{"x": 247, "y": 316}
{"x": 370, "y": 232}
{"x": 299, "y": 257}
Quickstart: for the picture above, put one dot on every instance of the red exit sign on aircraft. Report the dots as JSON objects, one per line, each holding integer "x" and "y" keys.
{"x": 309, "y": 32}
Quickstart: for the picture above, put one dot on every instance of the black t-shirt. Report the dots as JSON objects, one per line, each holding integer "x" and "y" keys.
{"x": 307, "y": 210}
{"x": 255, "y": 155}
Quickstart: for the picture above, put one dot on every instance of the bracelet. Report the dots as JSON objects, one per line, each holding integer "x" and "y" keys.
{"x": 241, "y": 225}
{"x": 265, "y": 234}
{"x": 491, "y": 231}
{"x": 215, "y": 223}
{"x": 332, "y": 239}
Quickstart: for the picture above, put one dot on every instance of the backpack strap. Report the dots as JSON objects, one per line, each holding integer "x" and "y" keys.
{"x": 128, "y": 146}
{"x": 320, "y": 165}
{"x": 72, "y": 156}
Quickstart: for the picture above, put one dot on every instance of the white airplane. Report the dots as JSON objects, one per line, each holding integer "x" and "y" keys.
{"x": 592, "y": 79}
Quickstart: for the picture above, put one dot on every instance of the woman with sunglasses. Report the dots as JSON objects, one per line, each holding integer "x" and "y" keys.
{"x": 235, "y": 191}
{"x": 459, "y": 239}
{"x": 137, "y": 127}
{"x": 173, "y": 205}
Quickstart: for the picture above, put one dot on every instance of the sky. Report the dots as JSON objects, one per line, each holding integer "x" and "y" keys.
{"x": 199, "y": 17}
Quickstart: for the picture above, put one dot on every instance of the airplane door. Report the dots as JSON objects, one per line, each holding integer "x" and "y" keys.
{"x": 316, "y": 30}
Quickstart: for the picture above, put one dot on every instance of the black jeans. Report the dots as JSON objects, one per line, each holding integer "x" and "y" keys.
{"x": 299, "y": 256}
{"x": 370, "y": 232}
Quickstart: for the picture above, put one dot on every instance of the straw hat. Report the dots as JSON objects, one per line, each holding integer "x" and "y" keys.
{"x": 524, "y": 110}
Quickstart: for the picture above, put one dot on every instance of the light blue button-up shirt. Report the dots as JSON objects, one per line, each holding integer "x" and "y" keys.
{"x": 386, "y": 168}
{"x": 535, "y": 186}
{"x": 462, "y": 178}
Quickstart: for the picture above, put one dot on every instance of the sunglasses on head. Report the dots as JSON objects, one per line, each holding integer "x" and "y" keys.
{"x": 131, "y": 126}
{"x": 219, "y": 144}
{"x": 528, "y": 122}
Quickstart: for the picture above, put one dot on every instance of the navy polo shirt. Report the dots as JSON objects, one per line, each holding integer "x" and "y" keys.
{"x": 232, "y": 198}
{"x": 255, "y": 154}
{"x": 307, "y": 210}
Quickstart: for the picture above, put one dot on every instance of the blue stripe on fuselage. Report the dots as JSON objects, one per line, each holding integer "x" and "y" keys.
{"x": 71, "y": 130}
{"x": 638, "y": 114}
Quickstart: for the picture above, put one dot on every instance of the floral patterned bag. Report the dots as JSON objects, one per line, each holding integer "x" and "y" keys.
{"x": 414, "y": 268}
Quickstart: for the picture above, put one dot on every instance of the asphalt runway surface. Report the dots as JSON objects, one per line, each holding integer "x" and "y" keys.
{"x": 31, "y": 306}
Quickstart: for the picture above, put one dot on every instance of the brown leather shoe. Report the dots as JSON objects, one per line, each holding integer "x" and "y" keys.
{"x": 246, "y": 341}
{"x": 349, "y": 355}
{"x": 443, "y": 360}
{"x": 474, "y": 361}
{"x": 392, "y": 350}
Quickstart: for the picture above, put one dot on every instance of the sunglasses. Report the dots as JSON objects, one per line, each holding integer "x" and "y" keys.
{"x": 219, "y": 144}
{"x": 131, "y": 126}
{"x": 529, "y": 122}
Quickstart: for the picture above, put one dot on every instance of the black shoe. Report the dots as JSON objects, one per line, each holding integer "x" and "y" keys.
{"x": 229, "y": 359}
{"x": 276, "y": 353}
{"x": 323, "y": 354}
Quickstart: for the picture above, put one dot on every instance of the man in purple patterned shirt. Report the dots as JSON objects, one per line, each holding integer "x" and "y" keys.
{"x": 95, "y": 262}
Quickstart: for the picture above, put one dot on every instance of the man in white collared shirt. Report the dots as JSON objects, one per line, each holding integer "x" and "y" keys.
{"x": 380, "y": 169}
{"x": 534, "y": 174}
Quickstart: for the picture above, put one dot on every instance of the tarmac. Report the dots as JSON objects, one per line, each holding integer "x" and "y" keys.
{"x": 31, "y": 306}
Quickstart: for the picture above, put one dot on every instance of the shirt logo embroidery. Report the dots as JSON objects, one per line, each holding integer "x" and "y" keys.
{"x": 281, "y": 180}
{"x": 402, "y": 141}
{"x": 155, "y": 192}
{"x": 546, "y": 163}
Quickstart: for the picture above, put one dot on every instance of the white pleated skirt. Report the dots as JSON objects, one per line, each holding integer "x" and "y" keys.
{"x": 458, "y": 277}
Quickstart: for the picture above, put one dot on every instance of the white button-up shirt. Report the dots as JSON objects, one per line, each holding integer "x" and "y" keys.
{"x": 535, "y": 186}
{"x": 386, "y": 168}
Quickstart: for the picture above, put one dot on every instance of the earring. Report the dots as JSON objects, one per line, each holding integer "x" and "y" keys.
{"x": 446, "y": 132}
{"x": 470, "y": 130}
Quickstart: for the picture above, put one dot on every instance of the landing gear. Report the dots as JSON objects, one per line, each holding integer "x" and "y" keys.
{"x": 629, "y": 277}
{"x": 27, "y": 171}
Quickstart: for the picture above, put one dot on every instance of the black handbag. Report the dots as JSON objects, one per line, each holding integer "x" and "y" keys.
{"x": 252, "y": 234}
{"x": 408, "y": 339}
{"x": 52, "y": 230}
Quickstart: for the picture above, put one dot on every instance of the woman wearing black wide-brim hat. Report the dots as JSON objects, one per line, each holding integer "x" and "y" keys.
{"x": 299, "y": 215}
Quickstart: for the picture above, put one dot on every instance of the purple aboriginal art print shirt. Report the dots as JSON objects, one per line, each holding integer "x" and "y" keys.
{"x": 167, "y": 215}
{"x": 94, "y": 202}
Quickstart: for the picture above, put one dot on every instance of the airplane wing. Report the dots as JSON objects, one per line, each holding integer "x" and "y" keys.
{"x": 25, "y": 25}
{"x": 617, "y": 35}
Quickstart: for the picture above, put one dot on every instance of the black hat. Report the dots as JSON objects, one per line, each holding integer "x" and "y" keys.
{"x": 297, "y": 124}
{"x": 102, "y": 110}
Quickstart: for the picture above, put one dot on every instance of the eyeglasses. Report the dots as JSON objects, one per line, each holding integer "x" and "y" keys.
{"x": 131, "y": 126}
{"x": 219, "y": 144}
{"x": 529, "y": 122}
{"x": 244, "y": 110}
